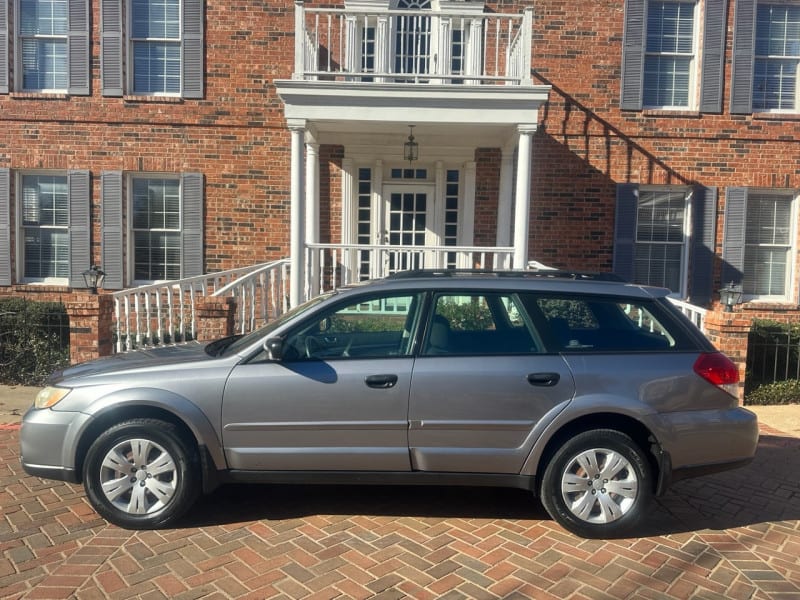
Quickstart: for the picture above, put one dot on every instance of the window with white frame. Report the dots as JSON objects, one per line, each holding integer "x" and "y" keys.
{"x": 156, "y": 46}
{"x": 156, "y": 228}
{"x": 44, "y": 220}
{"x": 43, "y": 54}
{"x": 660, "y": 243}
{"x": 768, "y": 244}
{"x": 777, "y": 57}
{"x": 669, "y": 62}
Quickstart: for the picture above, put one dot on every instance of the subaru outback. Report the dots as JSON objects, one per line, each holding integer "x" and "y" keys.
{"x": 591, "y": 393}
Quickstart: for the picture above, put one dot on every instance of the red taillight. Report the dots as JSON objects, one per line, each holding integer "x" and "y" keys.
{"x": 718, "y": 369}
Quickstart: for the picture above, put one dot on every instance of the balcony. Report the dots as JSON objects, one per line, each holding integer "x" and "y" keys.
{"x": 412, "y": 46}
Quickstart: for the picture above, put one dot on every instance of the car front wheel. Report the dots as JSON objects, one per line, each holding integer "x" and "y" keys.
{"x": 141, "y": 474}
{"x": 598, "y": 484}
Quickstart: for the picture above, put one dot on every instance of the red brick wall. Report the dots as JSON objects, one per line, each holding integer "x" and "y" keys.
{"x": 236, "y": 137}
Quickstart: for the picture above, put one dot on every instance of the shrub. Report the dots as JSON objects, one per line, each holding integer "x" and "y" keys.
{"x": 34, "y": 340}
{"x": 780, "y": 392}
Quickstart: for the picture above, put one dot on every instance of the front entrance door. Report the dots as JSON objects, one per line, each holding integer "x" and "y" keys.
{"x": 408, "y": 223}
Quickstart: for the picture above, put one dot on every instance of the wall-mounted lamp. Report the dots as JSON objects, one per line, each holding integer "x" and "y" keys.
{"x": 93, "y": 277}
{"x": 411, "y": 148}
{"x": 730, "y": 296}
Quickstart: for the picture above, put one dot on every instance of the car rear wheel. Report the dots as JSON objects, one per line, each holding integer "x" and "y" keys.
{"x": 141, "y": 474}
{"x": 598, "y": 484}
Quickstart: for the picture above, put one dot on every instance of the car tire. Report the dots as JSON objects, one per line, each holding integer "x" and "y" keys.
{"x": 141, "y": 474}
{"x": 598, "y": 484}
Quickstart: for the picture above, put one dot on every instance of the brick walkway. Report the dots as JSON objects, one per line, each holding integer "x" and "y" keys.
{"x": 733, "y": 535}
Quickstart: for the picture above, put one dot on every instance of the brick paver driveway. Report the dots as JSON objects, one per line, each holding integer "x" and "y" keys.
{"x": 732, "y": 535}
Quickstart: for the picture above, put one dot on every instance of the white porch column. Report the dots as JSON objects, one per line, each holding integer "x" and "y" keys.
{"x": 522, "y": 208}
{"x": 349, "y": 221}
{"x": 312, "y": 215}
{"x": 296, "y": 229}
{"x": 505, "y": 195}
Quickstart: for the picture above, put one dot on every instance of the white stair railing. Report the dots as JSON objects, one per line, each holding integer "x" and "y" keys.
{"x": 696, "y": 314}
{"x": 165, "y": 313}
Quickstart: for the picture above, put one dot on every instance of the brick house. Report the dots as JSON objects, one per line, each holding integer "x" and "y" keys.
{"x": 168, "y": 139}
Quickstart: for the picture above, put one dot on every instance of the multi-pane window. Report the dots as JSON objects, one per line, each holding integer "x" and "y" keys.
{"x": 768, "y": 244}
{"x": 44, "y": 208}
{"x": 777, "y": 57}
{"x": 413, "y": 39}
{"x": 660, "y": 238}
{"x": 156, "y": 218}
{"x": 364, "y": 220}
{"x": 451, "y": 194}
{"x": 156, "y": 46}
{"x": 669, "y": 54}
{"x": 43, "y": 44}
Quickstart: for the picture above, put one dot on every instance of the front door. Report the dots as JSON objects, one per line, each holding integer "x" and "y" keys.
{"x": 338, "y": 399}
{"x": 408, "y": 224}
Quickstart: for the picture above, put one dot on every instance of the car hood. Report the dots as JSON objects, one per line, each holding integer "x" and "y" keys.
{"x": 150, "y": 358}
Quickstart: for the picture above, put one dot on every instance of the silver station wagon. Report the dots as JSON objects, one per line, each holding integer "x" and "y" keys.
{"x": 593, "y": 394}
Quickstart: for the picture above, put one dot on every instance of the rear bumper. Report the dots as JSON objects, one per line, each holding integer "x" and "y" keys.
{"x": 696, "y": 443}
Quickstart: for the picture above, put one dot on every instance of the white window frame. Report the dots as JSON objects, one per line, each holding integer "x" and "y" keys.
{"x": 687, "y": 232}
{"x": 19, "y": 40}
{"x": 131, "y": 230}
{"x": 756, "y": 57}
{"x": 131, "y": 43}
{"x": 693, "y": 63}
{"x": 20, "y": 246}
{"x": 792, "y": 257}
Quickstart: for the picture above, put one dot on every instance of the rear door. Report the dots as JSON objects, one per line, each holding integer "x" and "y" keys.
{"x": 480, "y": 385}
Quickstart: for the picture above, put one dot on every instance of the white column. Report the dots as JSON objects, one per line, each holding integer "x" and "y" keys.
{"x": 297, "y": 204}
{"x": 349, "y": 221}
{"x": 505, "y": 195}
{"x": 312, "y": 216}
{"x": 522, "y": 207}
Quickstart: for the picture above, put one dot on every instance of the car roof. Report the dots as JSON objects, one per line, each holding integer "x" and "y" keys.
{"x": 550, "y": 281}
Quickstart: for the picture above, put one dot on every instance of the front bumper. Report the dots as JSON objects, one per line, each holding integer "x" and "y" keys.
{"x": 48, "y": 443}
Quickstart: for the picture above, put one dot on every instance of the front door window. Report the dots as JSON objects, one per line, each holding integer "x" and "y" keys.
{"x": 408, "y": 221}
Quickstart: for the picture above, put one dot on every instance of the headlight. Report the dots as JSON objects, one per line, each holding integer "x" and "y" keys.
{"x": 50, "y": 396}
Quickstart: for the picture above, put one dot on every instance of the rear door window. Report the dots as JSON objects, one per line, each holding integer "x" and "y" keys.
{"x": 466, "y": 323}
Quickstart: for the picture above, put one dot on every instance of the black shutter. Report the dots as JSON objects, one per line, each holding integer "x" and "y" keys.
{"x": 80, "y": 256}
{"x": 633, "y": 43}
{"x": 111, "y": 47}
{"x": 733, "y": 241}
{"x": 3, "y": 46}
{"x": 704, "y": 226}
{"x": 5, "y": 227}
{"x": 111, "y": 229}
{"x": 625, "y": 230}
{"x": 744, "y": 36}
{"x": 193, "y": 51}
{"x": 192, "y": 232}
{"x": 78, "y": 47}
{"x": 713, "y": 56}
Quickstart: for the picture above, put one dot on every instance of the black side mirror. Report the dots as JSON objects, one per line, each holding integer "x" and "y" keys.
{"x": 275, "y": 348}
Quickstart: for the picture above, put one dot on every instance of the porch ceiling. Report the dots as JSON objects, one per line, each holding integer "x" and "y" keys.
{"x": 332, "y": 110}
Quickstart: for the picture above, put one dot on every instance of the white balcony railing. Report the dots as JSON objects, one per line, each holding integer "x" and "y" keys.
{"x": 696, "y": 314}
{"x": 413, "y": 46}
{"x": 330, "y": 266}
{"x": 165, "y": 313}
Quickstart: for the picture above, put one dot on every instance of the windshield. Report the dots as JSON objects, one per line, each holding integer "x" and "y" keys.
{"x": 252, "y": 337}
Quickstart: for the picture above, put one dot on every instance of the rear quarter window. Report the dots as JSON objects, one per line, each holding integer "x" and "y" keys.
{"x": 602, "y": 324}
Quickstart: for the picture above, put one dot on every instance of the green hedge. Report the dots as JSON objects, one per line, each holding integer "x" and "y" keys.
{"x": 780, "y": 392}
{"x": 34, "y": 340}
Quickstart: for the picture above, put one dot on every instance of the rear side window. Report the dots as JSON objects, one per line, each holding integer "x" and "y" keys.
{"x": 598, "y": 324}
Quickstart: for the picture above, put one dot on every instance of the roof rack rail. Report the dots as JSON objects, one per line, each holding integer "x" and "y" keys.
{"x": 554, "y": 274}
